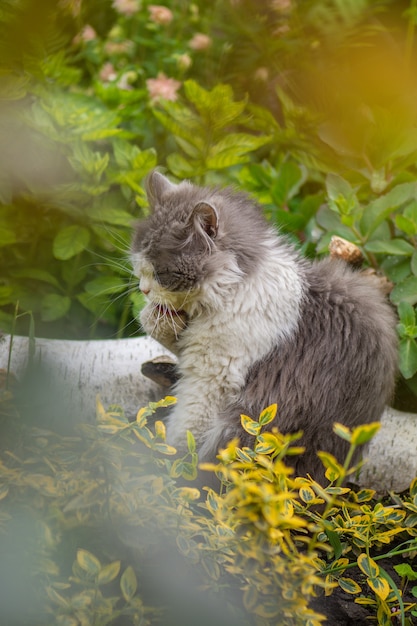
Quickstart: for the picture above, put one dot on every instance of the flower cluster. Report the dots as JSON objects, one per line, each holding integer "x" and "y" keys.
{"x": 162, "y": 88}
{"x": 125, "y": 61}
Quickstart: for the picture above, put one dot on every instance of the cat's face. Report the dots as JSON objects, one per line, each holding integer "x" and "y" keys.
{"x": 173, "y": 248}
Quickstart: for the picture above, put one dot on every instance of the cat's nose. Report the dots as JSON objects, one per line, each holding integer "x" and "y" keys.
{"x": 144, "y": 286}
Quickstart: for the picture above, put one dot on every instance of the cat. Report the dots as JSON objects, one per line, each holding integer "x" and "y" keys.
{"x": 252, "y": 323}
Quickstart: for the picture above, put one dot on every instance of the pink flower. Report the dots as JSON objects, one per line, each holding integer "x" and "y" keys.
{"x": 200, "y": 42}
{"x": 160, "y": 14}
{"x": 281, "y": 6}
{"x": 86, "y": 34}
{"x": 108, "y": 73}
{"x": 162, "y": 88}
{"x": 119, "y": 47}
{"x": 126, "y": 7}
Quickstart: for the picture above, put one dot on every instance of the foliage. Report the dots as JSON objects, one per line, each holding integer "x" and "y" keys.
{"x": 86, "y": 519}
{"x": 66, "y": 217}
{"x": 76, "y": 144}
{"x": 203, "y": 129}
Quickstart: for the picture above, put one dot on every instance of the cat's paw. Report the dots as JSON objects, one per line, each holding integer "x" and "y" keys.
{"x": 163, "y": 324}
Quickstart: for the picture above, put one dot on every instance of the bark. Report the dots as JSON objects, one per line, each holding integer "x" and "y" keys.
{"x": 66, "y": 376}
{"x": 74, "y": 372}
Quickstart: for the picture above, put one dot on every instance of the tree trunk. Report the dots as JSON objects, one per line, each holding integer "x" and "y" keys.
{"x": 65, "y": 376}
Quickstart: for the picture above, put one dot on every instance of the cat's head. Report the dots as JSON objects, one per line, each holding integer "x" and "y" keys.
{"x": 194, "y": 240}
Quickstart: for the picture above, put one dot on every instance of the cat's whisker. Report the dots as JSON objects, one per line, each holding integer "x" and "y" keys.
{"x": 186, "y": 298}
{"x": 176, "y": 327}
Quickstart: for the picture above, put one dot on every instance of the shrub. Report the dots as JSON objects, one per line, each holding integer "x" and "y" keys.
{"x": 107, "y": 527}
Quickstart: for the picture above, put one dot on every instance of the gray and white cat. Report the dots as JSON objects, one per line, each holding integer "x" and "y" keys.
{"x": 252, "y": 324}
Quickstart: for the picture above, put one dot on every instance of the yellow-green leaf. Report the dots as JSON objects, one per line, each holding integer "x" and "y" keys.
{"x": 190, "y": 442}
{"x": 368, "y": 566}
{"x": 363, "y": 434}
{"x": 272, "y": 512}
{"x": 160, "y": 430}
{"x": 380, "y": 586}
{"x": 349, "y": 585}
{"x": 188, "y": 493}
{"x": 331, "y": 463}
{"x": 306, "y": 494}
{"x": 167, "y": 401}
{"x": 268, "y": 414}
{"x": 109, "y": 572}
{"x": 250, "y": 598}
{"x": 164, "y": 448}
{"x": 342, "y": 431}
{"x": 266, "y": 443}
{"x": 249, "y": 425}
{"x": 128, "y": 583}
{"x": 88, "y": 562}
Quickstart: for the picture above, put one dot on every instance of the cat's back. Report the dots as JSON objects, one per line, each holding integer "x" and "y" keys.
{"x": 343, "y": 293}
{"x": 347, "y": 330}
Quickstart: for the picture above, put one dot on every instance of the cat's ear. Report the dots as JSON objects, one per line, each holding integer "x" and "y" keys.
{"x": 206, "y": 216}
{"x": 157, "y": 185}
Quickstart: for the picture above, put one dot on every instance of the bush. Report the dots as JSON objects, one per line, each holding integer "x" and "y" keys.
{"x": 106, "y": 526}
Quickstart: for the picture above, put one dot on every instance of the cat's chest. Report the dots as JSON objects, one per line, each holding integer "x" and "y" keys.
{"x": 220, "y": 350}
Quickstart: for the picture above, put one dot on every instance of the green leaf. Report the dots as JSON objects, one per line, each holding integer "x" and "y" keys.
{"x": 407, "y": 313}
{"x": 105, "y": 285}
{"x": 108, "y": 212}
{"x": 128, "y": 583}
{"x": 181, "y": 122}
{"x": 36, "y": 274}
{"x": 405, "y": 290}
{"x": 330, "y": 222}
{"x": 88, "y": 562}
{"x": 379, "y": 210}
{"x": 390, "y": 246}
{"x": 408, "y": 357}
{"x": 7, "y": 236}
{"x": 335, "y": 542}
{"x": 341, "y": 195}
{"x": 54, "y": 307}
{"x": 216, "y": 107}
{"x": 233, "y": 149}
{"x": 397, "y": 268}
{"x": 406, "y": 571}
{"x": 70, "y": 241}
{"x": 349, "y": 585}
{"x": 406, "y": 225}
{"x": 144, "y": 162}
{"x": 182, "y": 168}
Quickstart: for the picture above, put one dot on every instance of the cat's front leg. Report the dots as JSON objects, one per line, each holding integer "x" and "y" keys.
{"x": 163, "y": 324}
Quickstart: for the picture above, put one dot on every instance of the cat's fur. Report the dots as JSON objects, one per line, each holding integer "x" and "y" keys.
{"x": 253, "y": 324}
